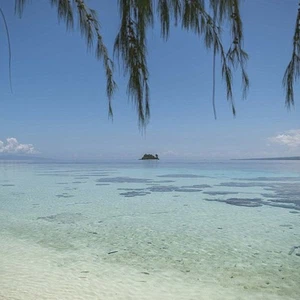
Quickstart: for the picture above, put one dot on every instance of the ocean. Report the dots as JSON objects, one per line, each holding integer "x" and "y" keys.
{"x": 150, "y": 230}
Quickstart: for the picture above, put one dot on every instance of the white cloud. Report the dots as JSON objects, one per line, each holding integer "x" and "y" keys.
{"x": 13, "y": 146}
{"x": 290, "y": 138}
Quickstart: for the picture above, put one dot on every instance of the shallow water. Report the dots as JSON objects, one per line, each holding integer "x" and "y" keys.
{"x": 150, "y": 230}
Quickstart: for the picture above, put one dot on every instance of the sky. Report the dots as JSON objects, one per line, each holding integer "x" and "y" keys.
{"x": 58, "y": 107}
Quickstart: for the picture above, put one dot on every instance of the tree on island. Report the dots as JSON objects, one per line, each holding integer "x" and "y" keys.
{"x": 149, "y": 156}
{"x": 205, "y": 18}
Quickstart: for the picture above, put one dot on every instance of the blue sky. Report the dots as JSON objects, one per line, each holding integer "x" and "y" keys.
{"x": 59, "y": 105}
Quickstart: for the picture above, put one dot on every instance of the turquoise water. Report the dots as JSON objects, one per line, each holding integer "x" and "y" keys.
{"x": 150, "y": 230}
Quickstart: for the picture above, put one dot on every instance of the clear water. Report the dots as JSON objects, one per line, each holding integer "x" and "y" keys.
{"x": 150, "y": 230}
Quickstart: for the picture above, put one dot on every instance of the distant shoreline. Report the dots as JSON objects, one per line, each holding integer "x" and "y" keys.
{"x": 270, "y": 158}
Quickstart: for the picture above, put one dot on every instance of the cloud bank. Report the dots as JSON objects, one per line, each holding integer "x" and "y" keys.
{"x": 11, "y": 145}
{"x": 290, "y": 138}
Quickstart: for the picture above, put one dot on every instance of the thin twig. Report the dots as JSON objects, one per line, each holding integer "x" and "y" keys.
{"x": 214, "y": 84}
{"x": 292, "y": 71}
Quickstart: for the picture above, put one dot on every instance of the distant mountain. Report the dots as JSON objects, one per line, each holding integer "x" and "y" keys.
{"x": 273, "y": 158}
{"x": 23, "y": 157}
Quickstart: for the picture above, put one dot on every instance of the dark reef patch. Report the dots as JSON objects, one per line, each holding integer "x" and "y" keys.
{"x": 271, "y": 179}
{"x": 53, "y": 174}
{"x": 64, "y": 195}
{"x": 182, "y": 190}
{"x": 131, "y": 192}
{"x": 284, "y": 195}
{"x": 244, "y": 184}
{"x": 134, "y": 194}
{"x": 182, "y": 176}
{"x": 247, "y": 202}
{"x": 171, "y": 188}
{"x": 98, "y": 175}
{"x": 129, "y": 189}
{"x": 282, "y": 205}
{"x": 162, "y": 188}
{"x": 165, "y": 181}
{"x": 218, "y": 193}
{"x": 196, "y": 186}
{"x": 277, "y": 194}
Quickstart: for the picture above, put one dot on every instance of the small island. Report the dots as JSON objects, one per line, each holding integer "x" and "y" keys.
{"x": 149, "y": 156}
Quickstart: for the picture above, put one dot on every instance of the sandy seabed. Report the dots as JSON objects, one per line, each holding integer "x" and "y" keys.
{"x": 64, "y": 237}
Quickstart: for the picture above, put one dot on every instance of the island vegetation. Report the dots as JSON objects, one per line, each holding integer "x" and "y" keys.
{"x": 150, "y": 156}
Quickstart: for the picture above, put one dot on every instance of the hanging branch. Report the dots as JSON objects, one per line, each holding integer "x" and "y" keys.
{"x": 214, "y": 83}
{"x": 214, "y": 69}
{"x": 131, "y": 43}
{"x": 164, "y": 14}
{"x": 64, "y": 11}
{"x": 19, "y": 7}
{"x": 292, "y": 71}
{"x": 90, "y": 30}
{"x": 9, "y": 48}
{"x": 196, "y": 18}
{"x": 131, "y": 47}
{"x": 215, "y": 14}
{"x": 236, "y": 55}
